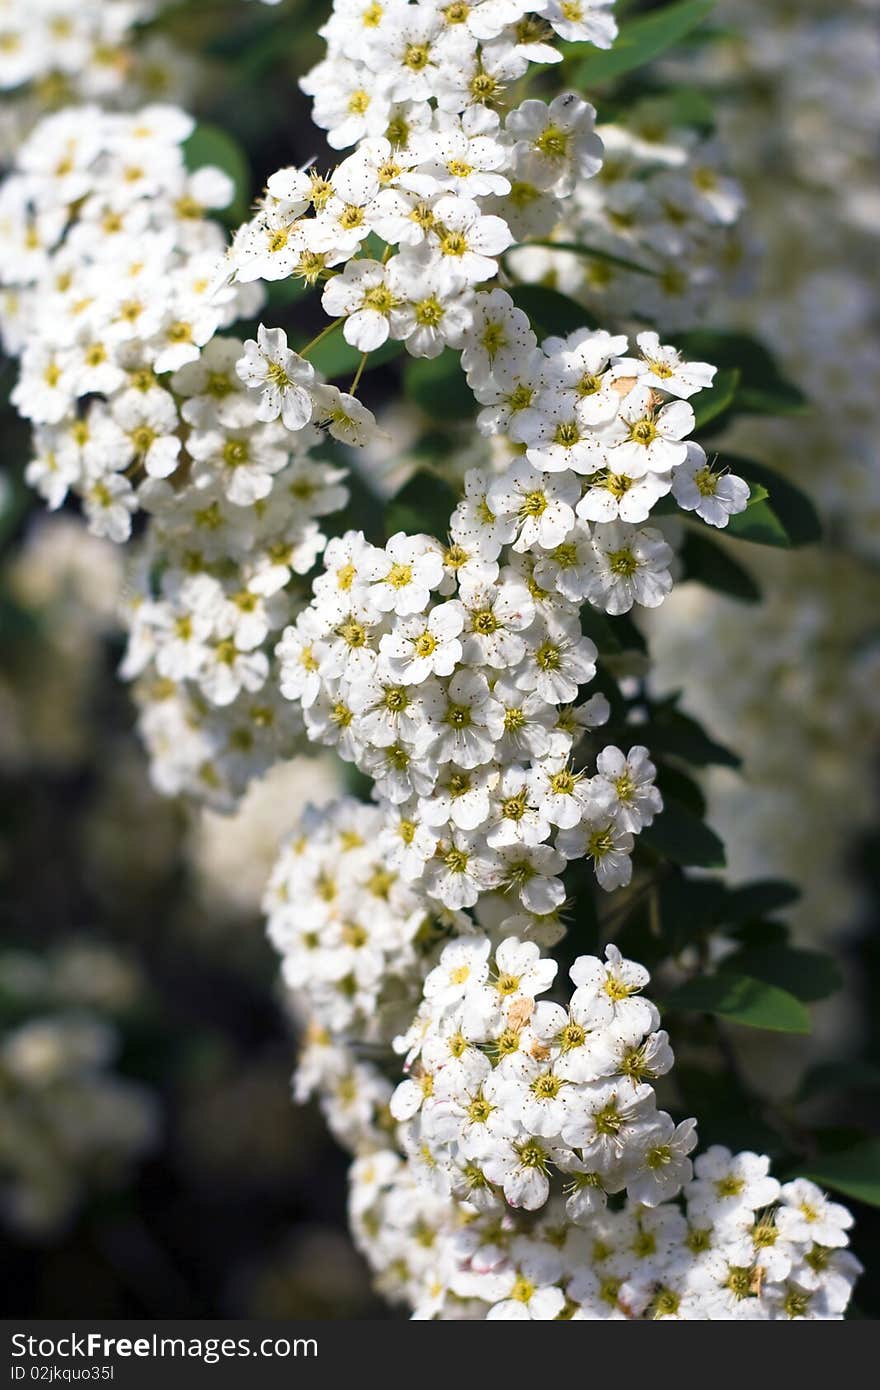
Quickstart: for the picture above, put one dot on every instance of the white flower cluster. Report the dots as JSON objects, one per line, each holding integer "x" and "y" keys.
{"x": 386, "y": 59}
{"x": 512, "y": 1095}
{"x": 660, "y": 219}
{"x": 461, "y": 710}
{"x": 81, "y": 45}
{"x": 522, "y": 1169}
{"x": 813, "y": 642}
{"x": 108, "y": 263}
{"x": 55, "y": 53}
{"x": 736, "y": 1246}
{"x": 112, "y": 302}
{"x": 69, "y": 1124}
{"x": 350, "y": 931}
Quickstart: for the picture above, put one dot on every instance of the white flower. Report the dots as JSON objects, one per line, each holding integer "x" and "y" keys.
{"x": 558, "y": 438}
{"x": 630, "y": 565}
{"x": 150, "y": 421}
{"x": 457, "y": 719}
{"x": 559, "y": 140}
{"x": 401, "y": 576}
{"x": 562, "y": 660}
{"x": 715, "y": 497}
{"x": 424, "y": 646}
{"x": 610, "y": 496}
{"x": 474, "y": 523}
{"x": 659, "y": 1166}
{"x": 495, "y": 617}
{"x": 726, "y": 1183}
{"x": 577, "y": 367}
{"x": 283, "y": 379}
{"x": 608, "y": 1118}
{"x": 627, "y": 782}
{"x": 541, "y": 505}
{"x": 500, "y": 337}
{"x": 665, "y": 369}
{"x": 515, "y": 817}
{"x": 242, "y": 460}
{"x": 805, "y": 1214}
{"x": 363, "y": 295}
{"x": 459, "y": 872}
{"x": 582, "y": 21}
{"x": 467, "y": 239}
{"x": 641, "y": 440}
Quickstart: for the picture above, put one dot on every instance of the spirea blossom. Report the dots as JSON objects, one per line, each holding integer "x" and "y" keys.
{"x": 510, "y": 1156}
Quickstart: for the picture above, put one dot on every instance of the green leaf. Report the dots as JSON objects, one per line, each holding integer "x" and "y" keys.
{"x": 792, "y": 508}
{"x": 688, "y": 106}
{"x": 763, "y": 389}
{"x": 808, "y": 975}
{"x": 280, "y": 293}
{"x": 675, "y": 783}
{"x": 755, "y": 900}
{"x": 706, "y": 561}
{"x": 16, "y": 500}
{"x": 676, "y": 735}
{"x": 550, "y": 311}
{"x": 855, "y": 1172}
{"x": 728, "y": 1113}
{"x": 438, "y": 386}
{"x": 208, "y": 144}
{"x": 851, "y": 1075}
{"x": 424, "y": 504}
{"x": 758, "y": 523}
{"x": 680, "y": 835}
{"x": 717, "y": 398}
{"x": 336, "y": 358}
{"x": 596, "y": 253}
{"x": 642, "y": 39}
{"x": 598, "y": 627}
{"x": 753, "y": 1003}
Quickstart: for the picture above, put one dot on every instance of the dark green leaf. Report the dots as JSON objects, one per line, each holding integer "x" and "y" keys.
{"x": 597, "y": 253}
{"x": 675, "y": 783}
{"x": 808, "y": 975}
{"x": 854, "y": 1172}
{"x": 16, "y": 500}
{"x": 753, "y": 1003}
{"x": 677, "y": 735}
{"x": 424, "y": 504}
{"x": 642, "y": 39}
{"x": 793, "y": 508}
{"x": 282, "y": 292}
{"x": 705, "y": 561}
{"x": 680, "y": 835}
{"x": 755, "y": 900}
{"x": 760, "y": 932}
{"x": 718, "y": 398}
{"x": 550, "y": 311}
{"x": 611, "y": 635}
{"x": 851, "y": 1075}
{"x": 598, "y": 627}
{"x": 438, "y": 386}
{"x": 336, "y": 358}
{"x": 208, "y": 144}
{"x": 759, "y": 522}
{"x": 728, "y": 1113}
{"x": 682, "y": 106}
{"x": 763, "y": 389}
{"x": 17, "y": 623}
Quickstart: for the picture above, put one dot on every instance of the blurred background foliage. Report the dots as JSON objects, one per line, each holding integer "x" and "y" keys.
{"x": 151, "y": 1163}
